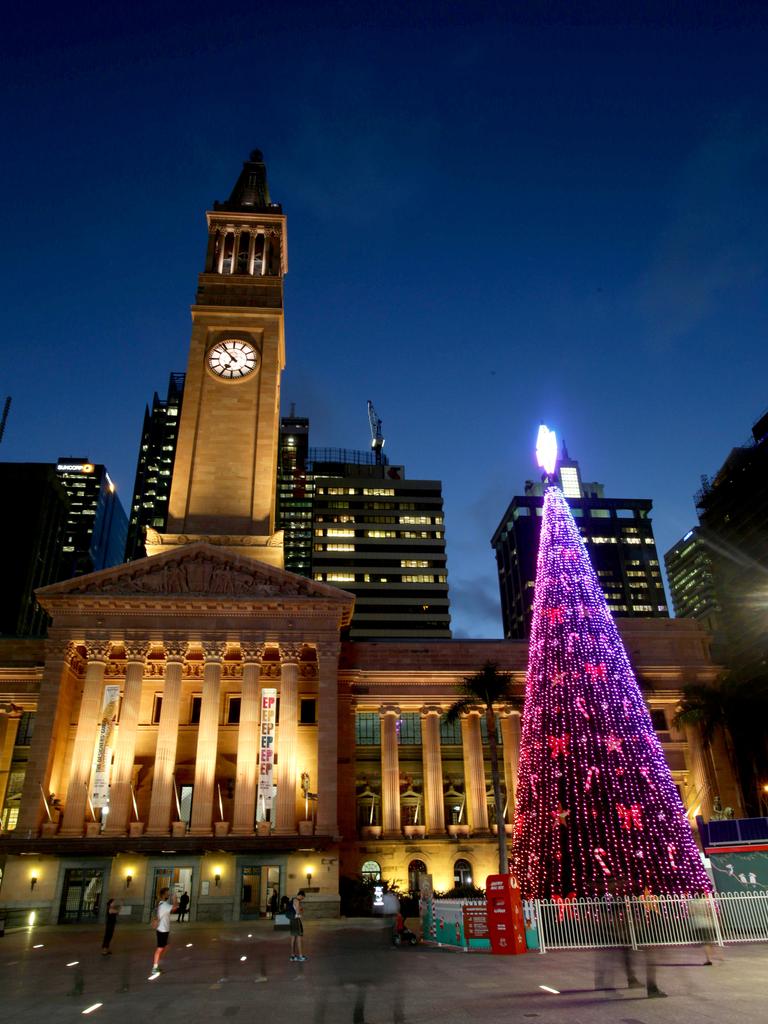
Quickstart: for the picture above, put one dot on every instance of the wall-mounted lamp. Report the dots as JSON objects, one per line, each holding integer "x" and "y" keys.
{"x": 309, "y": 869}
{"x": 32, "y": 881}
{"x": 217, "y": 876}
{"x": 128, "y": 880}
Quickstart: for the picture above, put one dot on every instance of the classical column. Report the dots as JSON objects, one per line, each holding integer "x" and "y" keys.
{"x": 287, "y": 739}
{"x": 251, "y": 250}
{"x": 474, "y": 772}
{"x": 162, "y": 802}
{"x": 122, "y": 767}
{"x": 9, "y": 727}
{"x": 207, "y": 739}
{"x": 48, "y": 747}
{"x": 85, "y": 738}
{"x": 236, "y": 251}
{"x": 434, "y": 817}
{"x": 390, "y": 771}
{"x": 247, "y": 771}
{"x": 327, "y": 738}
{"x": 510, "y": 739}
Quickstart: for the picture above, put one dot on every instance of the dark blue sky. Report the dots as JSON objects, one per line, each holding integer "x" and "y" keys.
{"x": 497, "y": 214}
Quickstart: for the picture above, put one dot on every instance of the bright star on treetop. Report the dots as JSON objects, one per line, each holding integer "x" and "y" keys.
{"x": 546, "y": 449}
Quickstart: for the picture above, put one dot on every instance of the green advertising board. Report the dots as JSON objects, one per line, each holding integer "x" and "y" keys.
{"x": 740, "y": 872}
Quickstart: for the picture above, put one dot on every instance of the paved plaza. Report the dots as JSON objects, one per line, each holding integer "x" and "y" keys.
{"x": 242, "y": 973}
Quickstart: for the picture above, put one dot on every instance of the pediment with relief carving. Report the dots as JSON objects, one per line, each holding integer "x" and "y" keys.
{"x": 198, "y": 570}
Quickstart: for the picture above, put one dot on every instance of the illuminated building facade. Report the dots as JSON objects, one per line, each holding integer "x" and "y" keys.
{"x": 617, "y": 531}
{"x": 154, "y": 467}
{"x": 733, "y": 516}
{"x": 295, "y": 491}
{"x": 690, "y": 574}
{"x": 381, "y": 537}
{"x": 97, "y": 526}
{"x": 198, "y": 720}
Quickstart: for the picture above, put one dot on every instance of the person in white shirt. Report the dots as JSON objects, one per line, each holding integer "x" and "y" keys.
{"x": 162, "y": 924}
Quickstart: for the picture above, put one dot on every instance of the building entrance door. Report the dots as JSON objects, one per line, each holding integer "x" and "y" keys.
{"x": 259, "y": 882}
{"x": 178, "y": 880}
{"x": 81, "y": 895}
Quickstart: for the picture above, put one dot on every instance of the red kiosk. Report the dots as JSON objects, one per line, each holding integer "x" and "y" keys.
{"x": 505, "y": 915}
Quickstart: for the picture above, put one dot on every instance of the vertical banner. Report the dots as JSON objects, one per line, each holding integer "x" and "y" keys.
{"x": 102, "y": 758}
{"x": 267, "y": 748}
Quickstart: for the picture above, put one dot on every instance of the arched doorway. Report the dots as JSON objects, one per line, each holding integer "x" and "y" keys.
{"x": 415, "y": 869}
{"x": 462, "y": 872}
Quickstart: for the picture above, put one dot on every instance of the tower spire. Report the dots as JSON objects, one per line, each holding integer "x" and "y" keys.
{"x": 251, "y": 191}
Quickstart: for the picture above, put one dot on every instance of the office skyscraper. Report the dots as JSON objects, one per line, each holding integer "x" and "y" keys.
{"x": 295, "y": 490}
{"x": 617, "y": 531}
{"x": 154, "y": 467}
{"x": 733, "y": 512}
{"x": 96, "y": 526}
{"x": 382, "y": 538}
{"x": 691, "y": 579}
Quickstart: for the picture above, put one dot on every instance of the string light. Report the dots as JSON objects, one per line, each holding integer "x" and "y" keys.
{"x": 596, "y": 801}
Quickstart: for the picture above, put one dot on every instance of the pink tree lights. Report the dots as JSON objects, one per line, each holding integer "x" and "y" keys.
{"x": 596, "y": 799}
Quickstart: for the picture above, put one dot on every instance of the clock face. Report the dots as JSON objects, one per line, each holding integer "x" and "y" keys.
{"x": 232, "y": 359}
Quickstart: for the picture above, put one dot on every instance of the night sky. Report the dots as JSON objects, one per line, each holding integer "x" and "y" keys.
{"x": 497, "y": 214}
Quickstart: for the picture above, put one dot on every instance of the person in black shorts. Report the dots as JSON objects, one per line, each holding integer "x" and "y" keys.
{"x": 297, "y": 928}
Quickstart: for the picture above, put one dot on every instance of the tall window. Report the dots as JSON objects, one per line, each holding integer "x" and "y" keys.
{"x": 367, "y": 729}
{"x": 450, "y": 732}
{"x": 26, "y": 729}
{"x": 409, "y": 729}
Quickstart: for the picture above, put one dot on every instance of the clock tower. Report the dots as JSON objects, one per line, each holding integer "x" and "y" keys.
{"x": 223, "y": 487}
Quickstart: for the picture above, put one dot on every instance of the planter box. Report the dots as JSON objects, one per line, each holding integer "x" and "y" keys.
{"x": 263, "y": 828}
{"x": 136, "y": 829}
{"x": 371, "y": 831}
{"x": 509, "y": 829}
{"x": 178, "y": 828}
{"x": 458, "y": 830}
{"x": 92, "y": 828}
{"x": 414, "y": 831}
{"x": 50, "y": 828}
{"x": 306, "y": 828}
{"x": 220, "y": 828}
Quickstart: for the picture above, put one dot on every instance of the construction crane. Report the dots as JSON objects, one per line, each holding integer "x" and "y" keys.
{"x": 4, "y": 415}
{"x": 377, "y": 440}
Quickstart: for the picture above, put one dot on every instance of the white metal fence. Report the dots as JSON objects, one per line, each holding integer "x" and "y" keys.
{"x": 651, "y": 921}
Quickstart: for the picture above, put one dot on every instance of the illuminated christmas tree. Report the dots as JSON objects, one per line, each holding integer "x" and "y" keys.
{"x": 596, "y": 801}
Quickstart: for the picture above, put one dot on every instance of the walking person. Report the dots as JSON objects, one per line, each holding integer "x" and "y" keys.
{"x": 183, "y": 905}
{"x": 618, "y": 941}
{"x": 295, "y": 911}
{"x": 162, "y": 926}
{"x": 273, "y": 902}
{"x": 110, "y": 922}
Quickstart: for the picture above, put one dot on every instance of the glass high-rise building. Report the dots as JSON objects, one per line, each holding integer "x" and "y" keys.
{"x": 690, "y": 573}
{"x": 96, "y": 524}
{"x": 382, "y": 538}
{"x": 733, "y": 513}
{"x": 618, "y": 533}
{"x": 154, "y": 467}
{"x": 295, "y": 490}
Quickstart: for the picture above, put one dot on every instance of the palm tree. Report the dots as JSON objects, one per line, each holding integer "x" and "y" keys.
{"x": 487, "y": 688}
{"x": 737, "y": 704}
